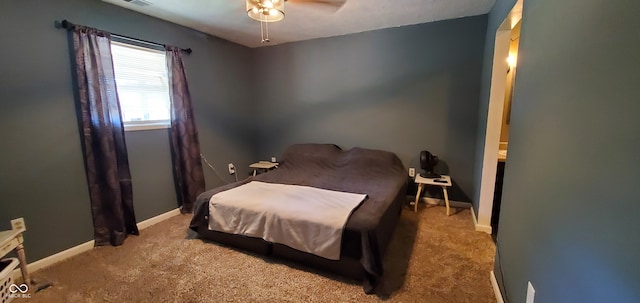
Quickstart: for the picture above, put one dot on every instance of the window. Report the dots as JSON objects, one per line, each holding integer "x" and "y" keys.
{"x": 142, "y": 82}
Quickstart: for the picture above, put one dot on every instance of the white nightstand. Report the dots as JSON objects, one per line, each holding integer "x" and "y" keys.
{"x": 446, "y": 182}
{"x": 12, "y": 240}
{"x": 266, "y": 165}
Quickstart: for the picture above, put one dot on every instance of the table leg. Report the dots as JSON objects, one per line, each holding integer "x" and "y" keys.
{"x": 254, "y": 172}
{"x": 446, "y": 198}
{"x": 23, "y": 262}
{"x": 415, "y": 204}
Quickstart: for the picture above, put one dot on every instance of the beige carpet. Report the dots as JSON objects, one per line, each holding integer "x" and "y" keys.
{"x": 432, "y": 258}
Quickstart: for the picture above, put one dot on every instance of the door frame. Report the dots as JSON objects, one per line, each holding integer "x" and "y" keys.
{"x": 494, "y": 117}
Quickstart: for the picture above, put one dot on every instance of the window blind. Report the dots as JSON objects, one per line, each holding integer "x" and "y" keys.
{"x": 142, "y": 83}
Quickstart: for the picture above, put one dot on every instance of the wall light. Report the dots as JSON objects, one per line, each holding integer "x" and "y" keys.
{"x": 512, "y": 60}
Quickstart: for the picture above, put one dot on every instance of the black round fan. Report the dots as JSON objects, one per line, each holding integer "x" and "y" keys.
{"x": 427, "y": 162}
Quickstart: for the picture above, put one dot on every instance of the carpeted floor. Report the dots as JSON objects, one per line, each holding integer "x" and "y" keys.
{"x": 432, "y": 258}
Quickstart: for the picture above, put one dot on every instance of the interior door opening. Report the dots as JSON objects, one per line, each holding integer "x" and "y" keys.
{"x": 498, "y": 115}
{"x": 503, "y": 147}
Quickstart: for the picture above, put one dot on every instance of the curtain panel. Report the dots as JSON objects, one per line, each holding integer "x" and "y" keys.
{"x": 105, "y": 151}
{"x": 185, "y": 146}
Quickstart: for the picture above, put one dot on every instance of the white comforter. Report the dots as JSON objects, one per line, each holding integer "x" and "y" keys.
{"x": 306, "y": 218}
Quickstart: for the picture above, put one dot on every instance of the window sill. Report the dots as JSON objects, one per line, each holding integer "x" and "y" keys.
{"x": 146, "y": 125}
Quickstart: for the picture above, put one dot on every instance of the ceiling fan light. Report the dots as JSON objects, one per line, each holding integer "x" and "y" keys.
{"x": 265, "y": 10}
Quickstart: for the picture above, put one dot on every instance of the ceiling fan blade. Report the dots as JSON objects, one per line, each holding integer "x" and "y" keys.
{"x": 333, "y": 4}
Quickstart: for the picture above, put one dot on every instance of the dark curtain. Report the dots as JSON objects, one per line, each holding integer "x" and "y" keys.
{"x": 105, "y": 151}
{"x": 185, "y": 146}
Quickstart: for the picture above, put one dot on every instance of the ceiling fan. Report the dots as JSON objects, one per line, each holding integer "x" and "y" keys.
{"x": 266, "y": 11}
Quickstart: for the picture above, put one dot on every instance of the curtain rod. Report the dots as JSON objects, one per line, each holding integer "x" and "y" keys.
{"x": 69, "y": 26}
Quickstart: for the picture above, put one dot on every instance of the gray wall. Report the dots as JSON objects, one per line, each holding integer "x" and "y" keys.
{"x": 402, "y": 89}
{"x": 569, "y": 217}
{"x": 41, "y": 166}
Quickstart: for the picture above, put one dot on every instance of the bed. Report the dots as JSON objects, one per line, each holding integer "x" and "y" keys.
{"x": 378, "y": 174}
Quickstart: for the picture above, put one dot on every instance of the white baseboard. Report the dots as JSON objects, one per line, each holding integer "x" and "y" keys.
{"x": 436, "y": 201}
{"x": 86, "y": 246}
{"x": 159, "y": 218}
{"x": 478, "y": 227}
{"x": 496, "y": 287}
{"x": 61, "y": 256}
{"x": 452, "y": 203}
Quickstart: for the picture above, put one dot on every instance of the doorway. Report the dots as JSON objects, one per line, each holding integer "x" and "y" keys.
{"x": 503, "y": 147}
{"x": 502, "y": 81}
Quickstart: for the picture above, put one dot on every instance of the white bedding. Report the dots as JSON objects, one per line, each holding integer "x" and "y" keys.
{"x": 306, "y": 218}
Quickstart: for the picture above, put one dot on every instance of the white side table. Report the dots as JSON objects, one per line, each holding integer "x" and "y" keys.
{"x": 266, "y": 165}
{"x": 445, "y": 182}
{"x": 12, "y": 239}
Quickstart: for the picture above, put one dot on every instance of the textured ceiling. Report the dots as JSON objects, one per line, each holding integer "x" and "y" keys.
{"x": 228, "y": 18}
